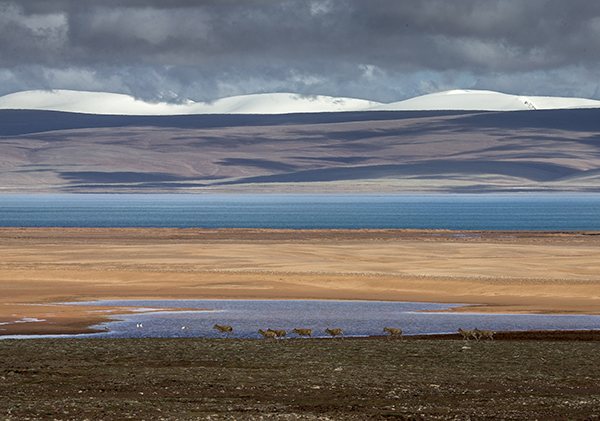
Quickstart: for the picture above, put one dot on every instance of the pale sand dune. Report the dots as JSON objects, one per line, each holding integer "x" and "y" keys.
{"x": 498, "y": 272}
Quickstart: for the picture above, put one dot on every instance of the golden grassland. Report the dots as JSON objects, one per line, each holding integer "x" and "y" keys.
{"x": 526, "y": 272}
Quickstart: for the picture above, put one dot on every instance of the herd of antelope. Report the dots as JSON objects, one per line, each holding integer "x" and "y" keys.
{"x": 476, "y": 334}
{"x": 391, "y": 333}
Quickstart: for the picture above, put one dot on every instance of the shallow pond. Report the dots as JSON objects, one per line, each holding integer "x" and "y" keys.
{"x": 355, "y": 318}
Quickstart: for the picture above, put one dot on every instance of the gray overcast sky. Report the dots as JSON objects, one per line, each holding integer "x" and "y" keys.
{"x": 383, "y": 50}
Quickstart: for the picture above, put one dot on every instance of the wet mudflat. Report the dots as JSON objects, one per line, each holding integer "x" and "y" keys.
{"x": 358, "y": 379}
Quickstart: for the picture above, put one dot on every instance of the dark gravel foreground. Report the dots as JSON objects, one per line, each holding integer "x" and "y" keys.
{"x": 253, "y": 379}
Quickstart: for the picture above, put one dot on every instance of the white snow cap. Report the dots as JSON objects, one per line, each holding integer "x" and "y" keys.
{"x": 471, "y": 100}
{"x": 281, "y": 103}
{"x": 119, "y": 104}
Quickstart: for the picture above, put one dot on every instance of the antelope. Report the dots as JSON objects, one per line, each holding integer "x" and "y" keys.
{"x": 335, "y": 332}
{"x": 483, "y": 334}
{"x": 223, "y": 329}
{"x": 466, "y": 334}
{"x": 393, "y": 332}
{"x": 303, "y": 332}
{"x": 280, "y": 333}
{"x": 268, "y": 334}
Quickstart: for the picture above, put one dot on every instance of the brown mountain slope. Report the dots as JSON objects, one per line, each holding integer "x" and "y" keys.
{"x": 555, "y": 150}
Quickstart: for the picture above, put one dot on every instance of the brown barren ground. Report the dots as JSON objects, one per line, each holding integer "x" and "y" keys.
{"x": 293, "y": 379}
{"x": 528, "y": 272}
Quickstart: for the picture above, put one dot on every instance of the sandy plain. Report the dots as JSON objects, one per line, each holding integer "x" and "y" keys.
{"x": 526, "y": 272}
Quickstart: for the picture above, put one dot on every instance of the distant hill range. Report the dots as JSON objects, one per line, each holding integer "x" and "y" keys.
{"x": 461, "y": 145}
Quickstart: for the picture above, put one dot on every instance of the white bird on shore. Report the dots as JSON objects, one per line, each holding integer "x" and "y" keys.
{"x": 138, "y": 325}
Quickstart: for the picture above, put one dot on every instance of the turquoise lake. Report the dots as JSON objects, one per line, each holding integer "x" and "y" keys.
{"x": 526, "y": 211}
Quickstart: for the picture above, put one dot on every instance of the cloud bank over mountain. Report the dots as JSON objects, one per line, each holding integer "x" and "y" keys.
{"x": 378, "y": 50}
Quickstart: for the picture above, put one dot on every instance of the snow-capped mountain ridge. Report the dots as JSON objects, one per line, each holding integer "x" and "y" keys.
{"x": 120, "y": 104}
{"x": 472, "y": 100}
{"x": 282, "y": 103}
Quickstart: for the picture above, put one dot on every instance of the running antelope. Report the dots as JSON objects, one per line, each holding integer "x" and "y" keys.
{"x": 466, "y": 334}
{"x": 393, "y": 332}
{"x": 335, "y": 332}
{"x": 268, "y": 334}
{"x": 483, "y": 334}
{"x": 223, "y": 329}
{"x": 303, "y": 332}
{"x": 280, "y": 333}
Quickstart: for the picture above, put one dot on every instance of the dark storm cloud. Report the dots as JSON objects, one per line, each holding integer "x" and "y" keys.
{"x": 338, "y": 47}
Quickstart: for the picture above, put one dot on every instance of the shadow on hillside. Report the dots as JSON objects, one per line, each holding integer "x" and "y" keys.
{"x": 534, "y": 171}
{"x": 19, "y": 122}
